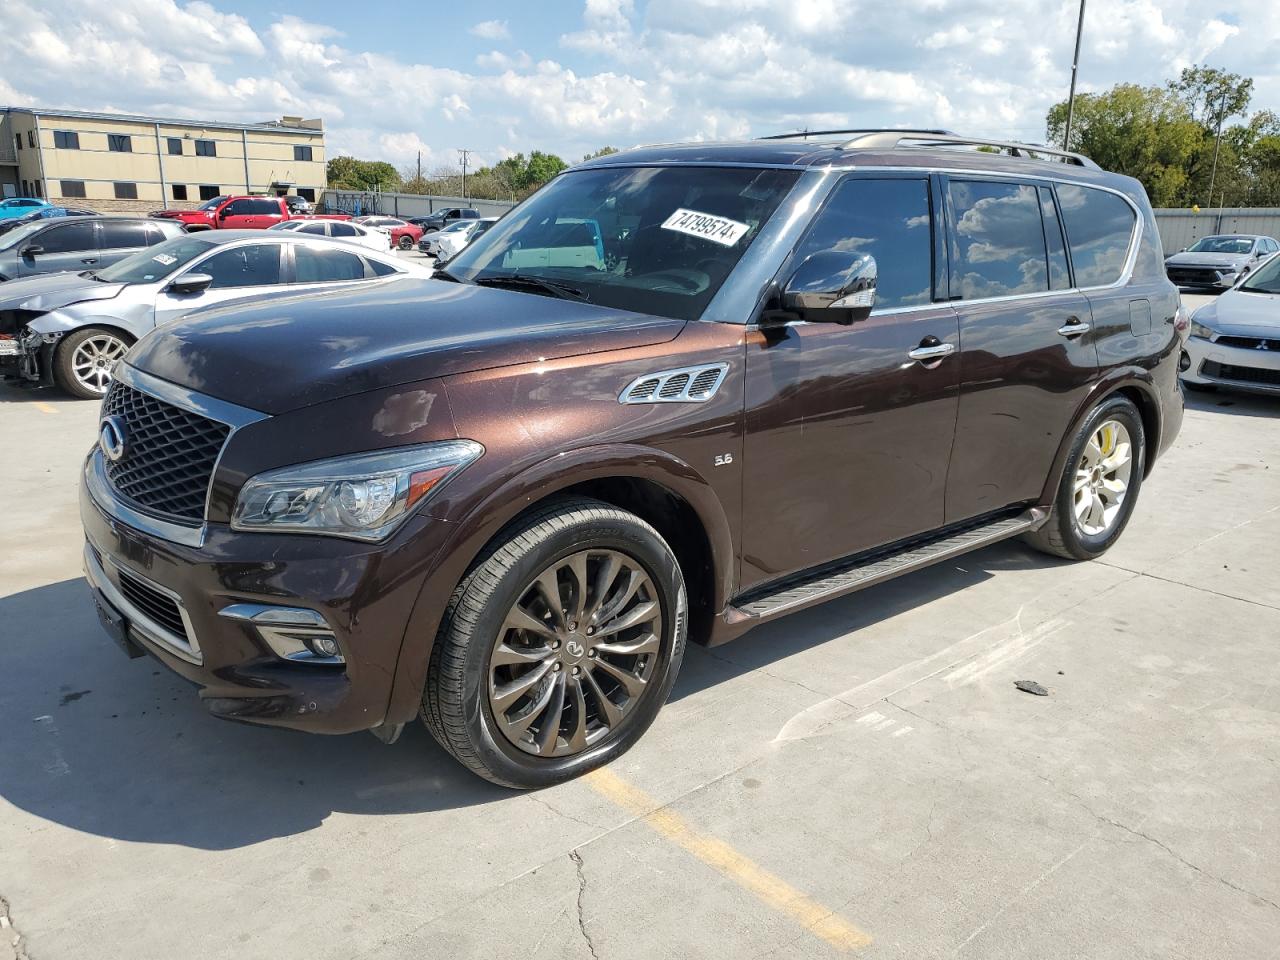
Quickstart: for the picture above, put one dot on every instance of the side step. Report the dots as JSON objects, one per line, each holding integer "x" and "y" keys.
{"x": 865, "y": 570}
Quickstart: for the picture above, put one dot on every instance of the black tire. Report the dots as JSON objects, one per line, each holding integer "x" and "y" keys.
{"x": 405, "y": 243}
{"x": 63, "y": 373}
{"x": 1061, "y": 534}
{"x": 455, "y": 704}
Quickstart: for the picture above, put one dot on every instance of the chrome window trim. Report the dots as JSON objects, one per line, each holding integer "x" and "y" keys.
{"x": 95, "y": 573}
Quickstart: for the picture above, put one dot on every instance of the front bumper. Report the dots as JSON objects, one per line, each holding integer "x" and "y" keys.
{"x": 1203, "y": 278}
{"x": 178, "y": 598}
{"x": 1246, "y": 368}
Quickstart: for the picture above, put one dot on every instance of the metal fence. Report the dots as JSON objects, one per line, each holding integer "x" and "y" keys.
{"x": 1181, "y": 228}
{"x": 405, "y": 204}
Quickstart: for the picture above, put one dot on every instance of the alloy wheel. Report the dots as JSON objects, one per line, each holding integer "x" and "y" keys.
{"x": 93, "y": 359}
{"x": 1102, "y": 478}
{"x": 575, "y": 653}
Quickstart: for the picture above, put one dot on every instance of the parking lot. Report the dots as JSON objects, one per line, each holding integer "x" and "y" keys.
{"x": 861, "y": 779}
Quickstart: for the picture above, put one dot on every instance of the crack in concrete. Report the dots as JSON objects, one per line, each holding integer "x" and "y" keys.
{"x": 772, "y": 676}
{"x": 560, "y": 813}
{"x": 9, "y": 931}
{"x": 1187, "y": 863}
{"x": 576, "y": 857}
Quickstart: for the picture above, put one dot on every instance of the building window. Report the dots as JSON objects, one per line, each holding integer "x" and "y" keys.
{"x": 179, "y": 191}
{"x": 66, "y": 140}
{"x": 126, "y": 191}
{"x": 208, "y": 191}
{"x": 31, "y": 139}
{"x": 119, "y": 143}
{"x": 72, "y": 188}
{"x": 17, "y": 140}
{"x": 302, "y": 153}
{"x": 206, "y": 148}
{"x": 39, "y": 191}
{"x": 307, "y": 193}
{"x": 175, "y": 146}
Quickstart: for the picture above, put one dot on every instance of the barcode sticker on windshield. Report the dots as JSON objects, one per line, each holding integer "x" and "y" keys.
{"x": 704, "y": 225}
{"x": 164, "y": 258}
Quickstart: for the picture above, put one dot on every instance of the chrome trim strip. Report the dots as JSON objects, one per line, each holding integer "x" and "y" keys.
{"x": 105, "y": 499}
{"x": 283, "y": 629}
{"x": 229, "y": 413}
{"x": 662, "y": 376}
{"x": 138, "y": 619}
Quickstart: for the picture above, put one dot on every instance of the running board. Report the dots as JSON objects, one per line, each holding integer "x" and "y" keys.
{"x": 834, "y": 580}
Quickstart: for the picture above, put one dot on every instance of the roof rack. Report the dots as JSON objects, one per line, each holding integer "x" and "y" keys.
{"x": 806, "y": 134}
{"x": 892, "y": 139}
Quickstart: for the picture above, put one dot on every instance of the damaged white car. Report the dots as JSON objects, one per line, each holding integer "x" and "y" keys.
{"x": 71, "y": 328}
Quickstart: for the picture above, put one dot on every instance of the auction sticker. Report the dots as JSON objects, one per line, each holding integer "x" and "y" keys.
{"x": 165, "y": 258}
{"x": 708, "y": 227}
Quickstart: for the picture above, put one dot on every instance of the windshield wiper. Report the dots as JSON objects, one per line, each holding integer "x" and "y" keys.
{"x": 440, "y": 273}
{"x": 554, "y": 287}
{"x": 1248, "y": 288}
{"x": 91, "y": 275}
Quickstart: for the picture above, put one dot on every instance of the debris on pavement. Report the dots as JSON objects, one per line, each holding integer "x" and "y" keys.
{"x": 1030, "y": 686}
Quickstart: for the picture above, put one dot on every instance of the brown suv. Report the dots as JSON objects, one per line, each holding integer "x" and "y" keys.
{"x": 678, "y": 392}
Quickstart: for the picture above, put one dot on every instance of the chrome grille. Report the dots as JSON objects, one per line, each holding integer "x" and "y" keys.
{"x": 169, "y": 454}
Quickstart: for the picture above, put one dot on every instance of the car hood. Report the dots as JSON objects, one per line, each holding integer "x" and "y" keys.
{"x": 51, "y": 291}
{"x": 282, "y": 354}
{"x": 1188, "y": 259}
{"x": 1245, "y": 314}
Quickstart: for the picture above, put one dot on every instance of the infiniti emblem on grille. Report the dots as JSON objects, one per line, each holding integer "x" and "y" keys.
{"x": 111, "y": 438}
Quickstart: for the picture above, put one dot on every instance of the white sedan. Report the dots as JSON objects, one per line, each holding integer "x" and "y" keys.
{"x": 451, "y": 242}
{"x": 366, "y": 237}
{"x": 1235, "y": 339}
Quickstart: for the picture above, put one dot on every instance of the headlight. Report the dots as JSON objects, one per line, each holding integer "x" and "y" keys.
{"x": 1199, "y": 329}
{"x": 364, "y": 496}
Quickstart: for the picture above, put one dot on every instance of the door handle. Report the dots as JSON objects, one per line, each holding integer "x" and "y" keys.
{"x": 936, "y": 351}
{"x": 89, "y": 260}
{"x": 1074, "y": 327}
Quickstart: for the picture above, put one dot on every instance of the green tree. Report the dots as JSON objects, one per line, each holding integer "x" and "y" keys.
{"x": 1212, "y": 95}
{"x": 602, "y": 152}
{"x": 542, "y": 167}
{"x": 348, "y": 173}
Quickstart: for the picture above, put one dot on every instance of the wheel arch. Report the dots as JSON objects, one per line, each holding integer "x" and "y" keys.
{"x": 657, "y": 486}
{"x": 1134, "y": 385}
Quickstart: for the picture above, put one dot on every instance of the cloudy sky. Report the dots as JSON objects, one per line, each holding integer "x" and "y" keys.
{"x": 569, "y": 76}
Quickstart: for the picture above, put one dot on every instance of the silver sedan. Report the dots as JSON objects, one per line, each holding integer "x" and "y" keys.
{"x": 71, "y": 328}
{"x": 1235, "y": 340}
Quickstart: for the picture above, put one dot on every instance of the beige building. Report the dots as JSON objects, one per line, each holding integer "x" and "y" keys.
{"x": 115, "y": 163}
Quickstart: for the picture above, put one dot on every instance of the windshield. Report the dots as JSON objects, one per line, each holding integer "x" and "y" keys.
{"x": 1221, "y": 245}
{"x": 15, "y": 237}
{"x": 658, "y": 240}
{"x": 155, "y": 263}
{"x": 211, "y": 204}
{"x": 1266, "y": 279}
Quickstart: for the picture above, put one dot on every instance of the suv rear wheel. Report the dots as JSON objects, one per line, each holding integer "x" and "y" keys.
{"x": 1099, "y": 486}
{"x": 83, "y": 361}
{"x": 558, "y": 650}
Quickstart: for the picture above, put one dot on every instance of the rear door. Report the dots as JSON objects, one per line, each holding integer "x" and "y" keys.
{"x": 68, "y": 246}
{"x": 1027, "y": 348}
{"x": 122, "y": 238}
{"x": 847, "y": 436}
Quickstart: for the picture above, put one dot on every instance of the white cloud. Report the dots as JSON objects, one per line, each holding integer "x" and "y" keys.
{"x": 492, "y": 30}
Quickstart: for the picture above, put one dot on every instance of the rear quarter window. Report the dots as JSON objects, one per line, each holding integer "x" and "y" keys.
{"x": 1100, "y": 229}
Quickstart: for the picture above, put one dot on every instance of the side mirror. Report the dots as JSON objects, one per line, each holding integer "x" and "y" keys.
{"x": 1182, "y": 249}
{"x": 190, "y": 283}
{"x": 222, "y": 214}
{"x": 32, "y": 250}
{"x": 832, "y": 287}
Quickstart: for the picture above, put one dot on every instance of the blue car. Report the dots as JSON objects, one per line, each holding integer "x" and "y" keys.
{"x": 20, "y": 206}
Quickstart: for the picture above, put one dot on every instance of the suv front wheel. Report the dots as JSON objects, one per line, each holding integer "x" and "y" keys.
{"x": 1099, "y": 486}
{"x": 559, "y": 648}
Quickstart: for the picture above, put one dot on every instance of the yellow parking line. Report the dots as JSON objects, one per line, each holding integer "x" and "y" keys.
{"x": 45, "y": 408}
{"x": 769, "y": 889}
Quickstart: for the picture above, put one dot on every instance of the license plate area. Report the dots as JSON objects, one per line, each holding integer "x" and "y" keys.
{"x": 116, "y": 626}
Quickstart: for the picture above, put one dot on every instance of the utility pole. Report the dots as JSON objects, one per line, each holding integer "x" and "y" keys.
{"x": 419, "y": 166}
{"x": 1075, "y": 65}
{"x": 1217, "y": 145}
{"x": 465, "y": 155}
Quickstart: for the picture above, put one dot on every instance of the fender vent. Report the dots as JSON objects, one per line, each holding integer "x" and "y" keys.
{"x": 682, "y": 385}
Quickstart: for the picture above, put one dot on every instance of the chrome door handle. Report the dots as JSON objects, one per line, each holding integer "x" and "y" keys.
{"x": 1074, "y": 328}
{"x": 935, "y": 352}
{"x": 89, "y": 260}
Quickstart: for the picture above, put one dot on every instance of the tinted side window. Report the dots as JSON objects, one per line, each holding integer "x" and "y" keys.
{"x": 1099, "y": 229}
{"x": 263, "y": 206}
{"x": 313, "y": 228}
{"x": 342, "y": 230}
{"x": 313, "y": 265}
{"x": 381, "y": 269}
{"x": 67, "y": 238}
{"x": 238, "y": 208}
{"x": 117, "y": 235}
{"x": 888, "y": 219}
{"x": 251, "y": 266}
{"x": 998, "y": 248}
{"x": 1059, "y": 275}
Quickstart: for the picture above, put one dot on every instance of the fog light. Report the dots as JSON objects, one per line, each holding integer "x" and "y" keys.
{"x": 1184, "y": 362}
{"x": 293, "y": 633}
{"x": 323, "y": 645}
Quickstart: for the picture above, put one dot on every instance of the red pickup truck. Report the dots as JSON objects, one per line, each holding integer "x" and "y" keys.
{"x": 241, "y": 213}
